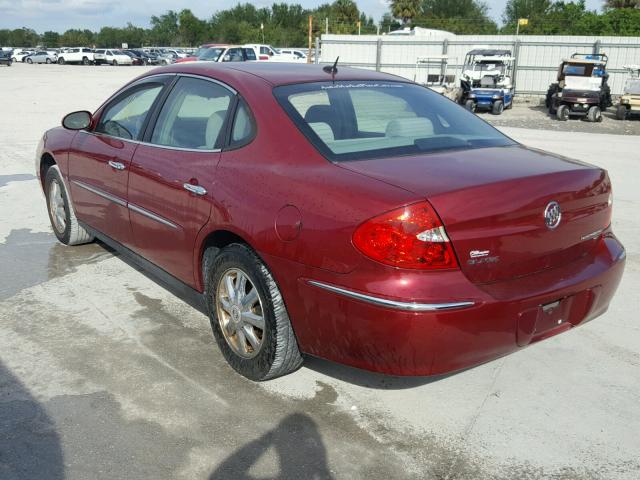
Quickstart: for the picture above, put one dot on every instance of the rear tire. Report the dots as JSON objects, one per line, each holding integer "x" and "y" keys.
{"x": 498, "y": 107}
{"x": 114, "y": 63}
{"x": 621, "y": 112}
{"x": 562, "y": 113}
{"x": 29, "y": 61}
{"x": 470, "y": 105}
{"x": 48, "y": 61}
{"x": 85, "y": 61}
{"x": 61, "y": 213}
{"x": 594, "y": 114}
{"x": 276, "y": 352}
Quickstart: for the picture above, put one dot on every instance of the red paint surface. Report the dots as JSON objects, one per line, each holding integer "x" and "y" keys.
{"x": 488, "y": 199}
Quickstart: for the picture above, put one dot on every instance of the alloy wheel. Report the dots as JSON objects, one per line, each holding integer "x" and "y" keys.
{"x": 240, "y": 313}
{"x": 56, "y": 207}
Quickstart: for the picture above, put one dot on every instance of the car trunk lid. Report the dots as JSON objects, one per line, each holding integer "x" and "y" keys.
{"x": 492, "y": 202}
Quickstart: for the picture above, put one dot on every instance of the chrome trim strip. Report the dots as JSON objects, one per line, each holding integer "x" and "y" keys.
{"x": 152, "y": 216}
{"x": 408, "y": 306}
{"x": 100, "y": 193}
{"x": 136, "y": 142}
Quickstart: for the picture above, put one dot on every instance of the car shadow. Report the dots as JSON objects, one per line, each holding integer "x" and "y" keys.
{"x": 30, "y": 447}
{"x": 295, "y": 441}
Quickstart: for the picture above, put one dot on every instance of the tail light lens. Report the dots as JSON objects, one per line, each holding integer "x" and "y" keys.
{"x": 409, "y": 237}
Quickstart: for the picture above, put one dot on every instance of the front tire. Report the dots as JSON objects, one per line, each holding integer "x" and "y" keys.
{"x": 594, "y": 114}
{"x": 498, "y": 107}
{"x": 115, "y": 63}
{"x": 562, "y": 113}
{"x": 61, "y": 61}
{"x": 470, "y": 105}
{"x": 248, "y": 315}
{"x": 48, "y": 61}
{"x": 29, "y": 61}
{"x": 621, "y": 112}
{"x": 61, "y": 214}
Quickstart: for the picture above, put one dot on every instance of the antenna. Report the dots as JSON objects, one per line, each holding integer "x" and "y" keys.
{"x": 333, "y": 69}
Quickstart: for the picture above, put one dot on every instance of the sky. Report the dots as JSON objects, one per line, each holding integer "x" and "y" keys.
{"x": 60, "y": 15}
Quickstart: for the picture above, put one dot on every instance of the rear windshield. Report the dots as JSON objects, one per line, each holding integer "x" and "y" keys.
{"x": 362, "y": 120}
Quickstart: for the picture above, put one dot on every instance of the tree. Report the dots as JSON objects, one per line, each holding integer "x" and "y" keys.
{"x": 611, "y": 4}
{"x": 50, "y": 39}
{"x": 405, "y": 10}
{"x": 77, "y": 38}
{"x": 164, "y": 29}
{"x": 531, "y": 9}
{"x": 457, "y": 16}
{"x": 191, "y": 29}
{"x": 345, "y": 15}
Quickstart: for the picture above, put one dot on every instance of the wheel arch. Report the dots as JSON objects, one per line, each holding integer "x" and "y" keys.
{"x": 46, "y": 161}
{"x": 217, "y": 238}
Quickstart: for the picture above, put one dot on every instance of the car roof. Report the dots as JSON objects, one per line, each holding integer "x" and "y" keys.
{"x": 278, "y": 73}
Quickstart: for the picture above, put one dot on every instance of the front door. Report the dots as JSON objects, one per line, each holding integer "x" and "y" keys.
{"x": 171, "y": 179}
{"x": 99, "y": 160}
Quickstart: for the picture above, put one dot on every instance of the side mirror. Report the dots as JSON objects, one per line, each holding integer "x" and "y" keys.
{"x": 77, "y": 120}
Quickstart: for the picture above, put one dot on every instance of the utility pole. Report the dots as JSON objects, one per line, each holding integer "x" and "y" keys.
{"x": 310, "y": 39}
{"x": 359, "y": 24}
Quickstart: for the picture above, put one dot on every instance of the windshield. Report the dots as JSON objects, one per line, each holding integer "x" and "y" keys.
{"x": 211, "y": 54}
{"x": 362, "y": 120}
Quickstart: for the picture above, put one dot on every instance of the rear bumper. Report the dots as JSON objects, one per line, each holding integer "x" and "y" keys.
{"x": 488, "y": 322}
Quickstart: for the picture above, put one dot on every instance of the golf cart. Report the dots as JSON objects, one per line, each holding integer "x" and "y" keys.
{"x": 486, "y": 80}
{"x": 630, "y": 100}
{"x": 582, "y": 88}
{"x": 436, "y": 77}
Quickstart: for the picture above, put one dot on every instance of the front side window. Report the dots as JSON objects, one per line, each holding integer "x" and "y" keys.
{"x": 125, "y": 117}
{"x": 193, "y": 115}
{"x": 373, "y": 119}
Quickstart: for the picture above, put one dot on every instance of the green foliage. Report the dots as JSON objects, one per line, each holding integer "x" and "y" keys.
{"x": 50, "y": 39}
{"x": 457, "y": 16}
{"x": 534, "y": 10}
{"x": 405, "y": 10}
{"x": 286, "y": 25}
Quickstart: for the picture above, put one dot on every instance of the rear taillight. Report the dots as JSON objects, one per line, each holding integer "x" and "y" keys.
{"x": 409, "y": 237}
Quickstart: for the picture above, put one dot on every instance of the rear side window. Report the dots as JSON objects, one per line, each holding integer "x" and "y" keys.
{"x": 250, "y": 54}
{"x": 243, "y": 126}
{"x": 193, "y": 115}
{"x": 362, "y": 120}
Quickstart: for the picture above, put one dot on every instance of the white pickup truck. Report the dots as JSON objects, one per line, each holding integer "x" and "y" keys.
{"x": 81, "y": 55}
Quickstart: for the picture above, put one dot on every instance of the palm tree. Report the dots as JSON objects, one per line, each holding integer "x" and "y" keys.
{"x": 405, "y": 9}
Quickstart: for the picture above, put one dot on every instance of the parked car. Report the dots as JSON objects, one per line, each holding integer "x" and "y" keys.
{"x": 486, "y": 80}
{"x": 294, "y": 54}
{"x": 228, "y": 53}
{"x": 111, "y": 57}
{"x": 42, "y": 56}
{"x": 399, "y": 232}
{"x": 582, "y": 89}
{"x": 267, "y": 53}
{"x": 78, "y": 55}
{"x": 20, "y": 54}
{"x": 6, "y": 57}
{"x": 142, "y": 57}
{"x": 629, "y": 103}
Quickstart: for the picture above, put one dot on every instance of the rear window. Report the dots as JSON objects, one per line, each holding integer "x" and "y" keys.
{"x": 362, "y": 120}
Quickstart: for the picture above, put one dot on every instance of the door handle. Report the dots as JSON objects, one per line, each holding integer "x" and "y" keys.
{"x": 116, "y": 165}
{"x": 197, "y": 189}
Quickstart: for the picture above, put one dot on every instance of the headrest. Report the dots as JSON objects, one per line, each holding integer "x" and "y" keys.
{"x": 410, "y": 127}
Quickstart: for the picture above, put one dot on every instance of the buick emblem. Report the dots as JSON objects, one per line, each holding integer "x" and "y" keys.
{"x": 552, "y": 215}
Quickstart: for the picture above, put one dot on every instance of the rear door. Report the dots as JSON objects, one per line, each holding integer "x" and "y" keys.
{"x": 171, "y": 182}
{"x": 99, "y": 159}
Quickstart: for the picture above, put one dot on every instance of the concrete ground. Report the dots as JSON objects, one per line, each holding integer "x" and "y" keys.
{"x": 106, "y": 375}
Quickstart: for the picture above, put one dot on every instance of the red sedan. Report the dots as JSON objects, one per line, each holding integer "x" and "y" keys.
{"x": 346, "y": 214}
